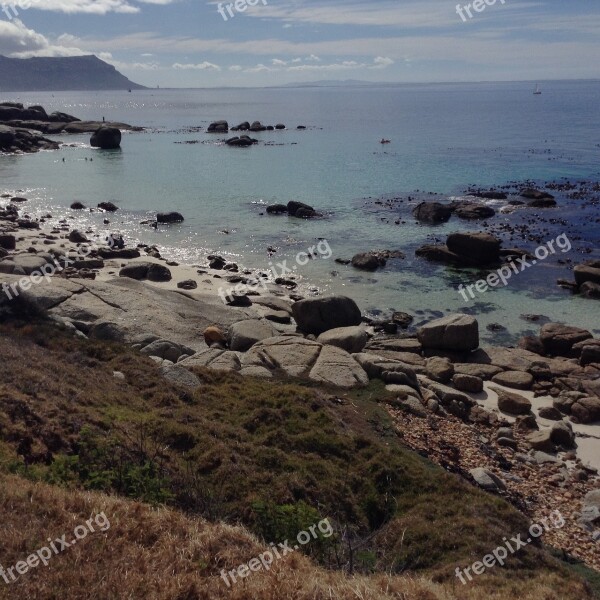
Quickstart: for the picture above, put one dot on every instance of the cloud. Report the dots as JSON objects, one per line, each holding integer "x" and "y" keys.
{"x": 17, "y": 41}
{"x": 204, "y": 66}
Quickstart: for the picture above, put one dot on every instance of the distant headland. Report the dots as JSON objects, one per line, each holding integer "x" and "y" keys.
{"x": 61, "y": 74}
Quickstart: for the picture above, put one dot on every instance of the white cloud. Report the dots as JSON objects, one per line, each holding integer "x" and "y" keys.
{"x": 204, "y": 66}
{"x": 17, "y": 41}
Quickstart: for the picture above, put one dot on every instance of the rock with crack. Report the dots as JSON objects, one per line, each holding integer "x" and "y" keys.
{"x": 351, "y": 339}
{"x": 336, "y": 367}
{"x": 217, "y": 359}
{"x": 292, "y": 355}
{"x": 456, "y": 332}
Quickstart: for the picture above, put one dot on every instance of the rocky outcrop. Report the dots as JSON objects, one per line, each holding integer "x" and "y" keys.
{"x": 471, "y": 211}
{"x": 300, "y": 210}
{"x": 244, "y": 334}
{"x": 146, "y": 270}
{"x": 561, "y": 340}
{"x": 511, "y": 403}
{"x": 17, "y": 139}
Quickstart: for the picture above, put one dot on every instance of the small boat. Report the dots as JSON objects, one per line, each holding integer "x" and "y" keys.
{"x": 129, "y": 90}
{"x": 537, "y": 91}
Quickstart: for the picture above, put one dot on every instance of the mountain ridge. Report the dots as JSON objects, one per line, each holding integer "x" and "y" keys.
{"x": 53, "y": 74}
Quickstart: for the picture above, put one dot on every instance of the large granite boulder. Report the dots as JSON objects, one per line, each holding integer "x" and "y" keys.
{"x": 588, "y": 271}
{"x": 454, "y": 332}
{"x": 244, "y": 334}
{"x": 106, "y": 138}
{"x": 317, "y": 315}
{"x": 350, "y": 339}
{"x": 482, "y": 247}
{"x": 432, "y": 212}
{"x": 169, "y": 217}
{"x": 368, "y": 261}
{"x": 560, "y": 340}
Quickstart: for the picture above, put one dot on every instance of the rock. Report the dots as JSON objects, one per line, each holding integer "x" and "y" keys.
{"x": 244, "y": 334}
{"x": 77, "y": 237}
{"x": 300, "y": 210}
{"x": 541, "y": 440}
{"x": 7, "y": 241}
{"x": 166, "y": 349}
{"x": 350, "y": 339}
{"x": 511, "y": 403}
{"x": 25, "y": 264}
{"x": 276, "y": 209}
{"x": 550, "y": 412}
{"x": 169, "y": 217}
{"x": 482, "y": 371}
{"x": 241, "y": 142}
{"x": 180, "y": 376}
{"x": 294, "y": 356}
{"x": 517, "y": 380}
{"x": 542, "y": 203}
{"x": 215, "y": 358}
{"x": 335, "y": 366}
{"x": 586, "y": 410}
{"x": 471, "y": 211}
{"x": 146, "y": 270}
{"x": 368, "y": 261}
{"x": 257, "y": 126}
{"x": 558, "y": 340}
{"x": 278, "y": 316}
{"x": 111, "y": 253}
{"x": 467, "y": 383}
{"x": 590, "y": 290}
{"x": 487, "y": 480}
{"x": 587, "y": 272}
{"x": 562, "y": 434}
{"x": 590, "y": 351}
{"x": 542, "y": 458}
{"x": 402, "y": 319}
{"x": 218, "y": 127}
{"x": 214, "y": 335}
{"x": 108, "y": 206}
{"x": 188, "y": 284}
{"x": 484, "y": 248}
{"x": 524, "y": 423}
{"x": 439, "y": 369}
{"x": 532, "y": 344}
{"x": 317, "y": 315}
{"x": 158, "y": 272}
{"x": 280, "y": 126}
{"x": 77, "y": 206}
{"x": 534, "y": 194}
{"x": 456, "y": 332}
{"x": 106, "y": 138}
{"x": 413, "y": 406}
{"x": 489, "y": 195}
{"x": 105, "y": 330}
{"x": 432, "y": 212}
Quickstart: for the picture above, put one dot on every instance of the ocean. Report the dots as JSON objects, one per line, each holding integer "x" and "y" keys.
{"x": 444, "y": 138}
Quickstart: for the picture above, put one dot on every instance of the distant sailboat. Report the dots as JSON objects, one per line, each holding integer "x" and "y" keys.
{"x": 537, "y": 91}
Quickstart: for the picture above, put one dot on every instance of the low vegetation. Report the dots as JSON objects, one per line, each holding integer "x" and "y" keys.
{"x": 271, "y": 457}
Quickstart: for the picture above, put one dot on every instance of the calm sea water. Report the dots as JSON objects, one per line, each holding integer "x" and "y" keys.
{"x": 444, "y": 138}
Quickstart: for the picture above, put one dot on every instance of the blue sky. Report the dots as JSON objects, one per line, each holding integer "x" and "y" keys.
{"x": 187, "y": 43}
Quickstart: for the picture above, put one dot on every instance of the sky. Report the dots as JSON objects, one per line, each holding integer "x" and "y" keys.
{"x": 195, "y": 43}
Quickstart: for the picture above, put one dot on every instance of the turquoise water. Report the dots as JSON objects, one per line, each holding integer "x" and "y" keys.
{"x": 444, "y": 138}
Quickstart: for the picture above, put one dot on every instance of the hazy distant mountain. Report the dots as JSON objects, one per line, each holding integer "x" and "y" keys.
{"x": 336, "y": 83}
{"x": 61, "y": 74}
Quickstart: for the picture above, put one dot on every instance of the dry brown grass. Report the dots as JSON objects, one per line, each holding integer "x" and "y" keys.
{"x": 160, "y": 554}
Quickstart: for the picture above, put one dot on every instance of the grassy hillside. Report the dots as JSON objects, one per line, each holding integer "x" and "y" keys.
{"x": 275, "y": 457}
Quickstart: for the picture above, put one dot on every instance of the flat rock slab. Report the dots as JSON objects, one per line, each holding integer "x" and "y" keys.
{"x": 214, "y": 358}
{"x": 518, "y": 380}
{"x": 456, "y": 332}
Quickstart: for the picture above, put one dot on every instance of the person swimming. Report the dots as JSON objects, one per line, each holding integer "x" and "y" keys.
{"x": 384, "y": 141}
